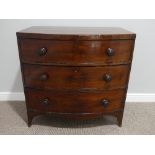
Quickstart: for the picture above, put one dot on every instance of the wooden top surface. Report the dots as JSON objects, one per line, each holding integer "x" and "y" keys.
{"x": 80, "y": 33}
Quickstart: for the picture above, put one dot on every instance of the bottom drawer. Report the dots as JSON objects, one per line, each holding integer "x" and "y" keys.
{"x": 75, "y": 102}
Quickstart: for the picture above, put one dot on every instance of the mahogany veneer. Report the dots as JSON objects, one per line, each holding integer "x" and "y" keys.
{"x": 75, "y": 72}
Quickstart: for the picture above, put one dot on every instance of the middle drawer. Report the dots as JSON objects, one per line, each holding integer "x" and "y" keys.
{"x": 82, "y": 78}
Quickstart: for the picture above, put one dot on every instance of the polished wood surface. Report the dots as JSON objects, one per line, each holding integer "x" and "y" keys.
{"x": 80, "y": 78}
{"x": 76, "y": 52}
{"x": 76, "y": 33}
{"x": 76, "y": 73}
{"x": 75, "y": 102}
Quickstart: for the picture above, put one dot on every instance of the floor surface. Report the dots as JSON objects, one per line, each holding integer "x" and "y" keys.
{"x": 139, "y": 118}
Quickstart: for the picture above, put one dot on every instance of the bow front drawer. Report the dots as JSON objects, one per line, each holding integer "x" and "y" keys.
{"x": 75, "y": 102}
{"x": 82, "y": 78}
{"x": 76, "y": 52}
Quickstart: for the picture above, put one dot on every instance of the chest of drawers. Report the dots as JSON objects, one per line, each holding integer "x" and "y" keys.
{"x": 75, "y": 72}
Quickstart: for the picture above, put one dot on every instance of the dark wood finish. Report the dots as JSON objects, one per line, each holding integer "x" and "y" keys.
{"x": 76, "y": 116}
{"x": 81, "y": 78}
{"x": 76, "y": 33}
{"x": 76, "y": 73}
{"x": 75, "y": 102}
{"x": 76, "y": 52}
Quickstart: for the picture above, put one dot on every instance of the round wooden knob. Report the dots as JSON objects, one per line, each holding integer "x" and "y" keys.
{"x": 110, "y": 52}
{"x": 42, "y": 51}
{"x": 105, "y": 102}
{"x": 75, "y": 71}
{"x": 107, "y": 77}
{"x": 45, "y": 101}
{"x": 43, "y": 77}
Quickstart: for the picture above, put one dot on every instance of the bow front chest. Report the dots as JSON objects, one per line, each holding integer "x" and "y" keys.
{"x": 75, "y": 72}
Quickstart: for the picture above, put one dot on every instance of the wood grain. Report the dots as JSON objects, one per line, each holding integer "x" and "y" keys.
{"x": 75, "y": 102}
{"x": 64, "y": 69}
{"x": 81, "y": 78}
{"x": 76, "y": 52}
{"x": 76, "y": 33}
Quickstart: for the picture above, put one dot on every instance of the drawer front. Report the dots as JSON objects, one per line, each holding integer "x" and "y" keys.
{"x": 82, "y": 78}
{"x": 75, "y": 102}
{"x": 76, "y": 52}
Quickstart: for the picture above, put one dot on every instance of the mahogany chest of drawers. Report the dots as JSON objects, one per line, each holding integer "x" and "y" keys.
{"x": 78, "y": 73}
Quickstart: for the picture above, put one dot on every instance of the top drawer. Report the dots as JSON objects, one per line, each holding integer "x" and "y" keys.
{"x": 76, "y": 52}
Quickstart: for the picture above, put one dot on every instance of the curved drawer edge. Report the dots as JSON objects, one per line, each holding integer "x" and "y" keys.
{"x": 75, "y": 115}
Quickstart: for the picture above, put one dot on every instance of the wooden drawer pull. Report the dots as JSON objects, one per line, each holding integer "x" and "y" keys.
{"x": 105, "y": 102}
{"x": 43, "y": 77}
{"x": 110, "y": 52}
{"x": 42, "y": 51}
{"x": 45, "y": 102}
{"x": 107, "y": 77}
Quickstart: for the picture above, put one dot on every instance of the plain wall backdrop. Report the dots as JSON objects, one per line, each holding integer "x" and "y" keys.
{"x": 143, "y": 68}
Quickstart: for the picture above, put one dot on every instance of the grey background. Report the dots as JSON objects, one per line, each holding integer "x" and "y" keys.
{"x": 143, "y": 68}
